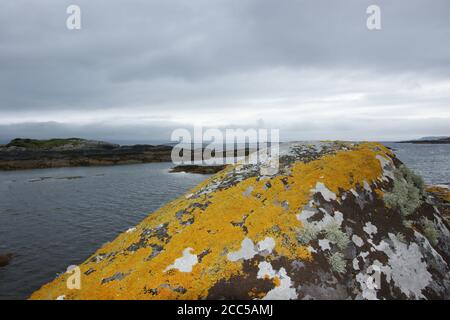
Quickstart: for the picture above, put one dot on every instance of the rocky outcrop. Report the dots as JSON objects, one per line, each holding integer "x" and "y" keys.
{"x": 74, "y": 152}
{"x": 338, "y": 221}
{"x": 58, "y": 144}
{"x": 442, "y": 192}
{"x": 198, "y": 169}
{"x": 54, "y": 153}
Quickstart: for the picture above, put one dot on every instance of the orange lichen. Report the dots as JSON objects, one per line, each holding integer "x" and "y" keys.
{"x": 379, "y": 193}
{"x": 276, "y": 281}
{"x": 265, "y": 212}
{"x": 440, "y": 192}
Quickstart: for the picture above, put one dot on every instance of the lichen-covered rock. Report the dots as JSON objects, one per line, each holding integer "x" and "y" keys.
{"x": 338, "y": 221}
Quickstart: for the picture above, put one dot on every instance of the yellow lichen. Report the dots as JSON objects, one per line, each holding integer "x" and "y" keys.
{"x": 379, "y": 193}
{"x": 276, "y": 281}
{"x": 440, "y": 192}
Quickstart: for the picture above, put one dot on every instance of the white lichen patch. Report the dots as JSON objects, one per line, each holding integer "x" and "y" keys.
{"x": 305, "y": 215}
{"x": 406, "y": 267}
{"x": 355, "y": 263}
{"x": 284, "y": 291}
{"x": 266, "y": 246}
{"x": 324, "y": 191}
{"x": 426, "y": 244}
{"x": 249, "y": 250}
{"x": 338, "y": 218}
{"x": 357, "y": 241}
{"x": 366, "y": 292}
{"x": 329, "y": 220}
{"x": 387, "y": 167}
{"x": 130, "y": 230}
{"x": 184, "y": 263}
{"x": 248, "y": 192}
{"x": 324, "y": 244}
{"x": 311, "y": 249}
{"x": 367, "y": 186}
{"x": 370, "y": 280}
{"x": 246, "y": 252}
{"x": 370, "y": 229}
{"x": 354, "y": 193}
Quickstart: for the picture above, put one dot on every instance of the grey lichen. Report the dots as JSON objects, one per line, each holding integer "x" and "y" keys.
{"x": 413, "y": 178}
{"x": 406, "y": 193}
{"x": 307, "y": 233}
{"x": 408, "y": 224}
{"x": 336, "y": 235}
{"x": 337, "y": 262}
{"x": 430, "y": 231}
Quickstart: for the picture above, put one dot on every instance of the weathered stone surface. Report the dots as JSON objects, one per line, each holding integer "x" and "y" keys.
{"x": 339, "y": 221}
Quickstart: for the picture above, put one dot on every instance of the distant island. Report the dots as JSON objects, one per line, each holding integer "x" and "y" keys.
{"x": 429, "y": 140}
{"x": 73, "y": 152}
{"x": 22, "y": 153}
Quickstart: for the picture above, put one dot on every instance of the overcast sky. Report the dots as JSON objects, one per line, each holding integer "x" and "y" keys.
{"x": 138, "y": 69}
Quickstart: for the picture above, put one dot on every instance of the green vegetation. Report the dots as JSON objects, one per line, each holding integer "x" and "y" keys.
{"x": 406, "y": 193}
{"x": 43, "y": 144}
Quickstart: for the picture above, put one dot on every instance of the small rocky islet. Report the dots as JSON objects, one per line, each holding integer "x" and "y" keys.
{"x": 337, "y": 221}
{"x": 74, "y": 152}
{"x": 199, "y": 169}
{"x": 21, "y": 154}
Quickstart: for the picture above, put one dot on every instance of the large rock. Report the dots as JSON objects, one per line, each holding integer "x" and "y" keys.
{"x": 338, "y": 221}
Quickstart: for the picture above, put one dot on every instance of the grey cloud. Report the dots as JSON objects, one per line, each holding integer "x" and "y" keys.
{"x": 348, "y": 129}
{"x": 202, "y": 56}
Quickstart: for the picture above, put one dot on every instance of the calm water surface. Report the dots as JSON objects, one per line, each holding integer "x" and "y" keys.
{"x": 54, "y": 218}
{"x": 431, "y": 161}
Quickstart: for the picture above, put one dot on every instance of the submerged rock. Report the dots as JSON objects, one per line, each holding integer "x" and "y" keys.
{"x": 5, "y": 259}
{"x": 198, "y": 169}
{"x": 338, "y": 221}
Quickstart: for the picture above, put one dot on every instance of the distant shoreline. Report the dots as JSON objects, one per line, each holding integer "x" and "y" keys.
{"x": 24, "y": 154}
{"x": 445, "y": 140}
